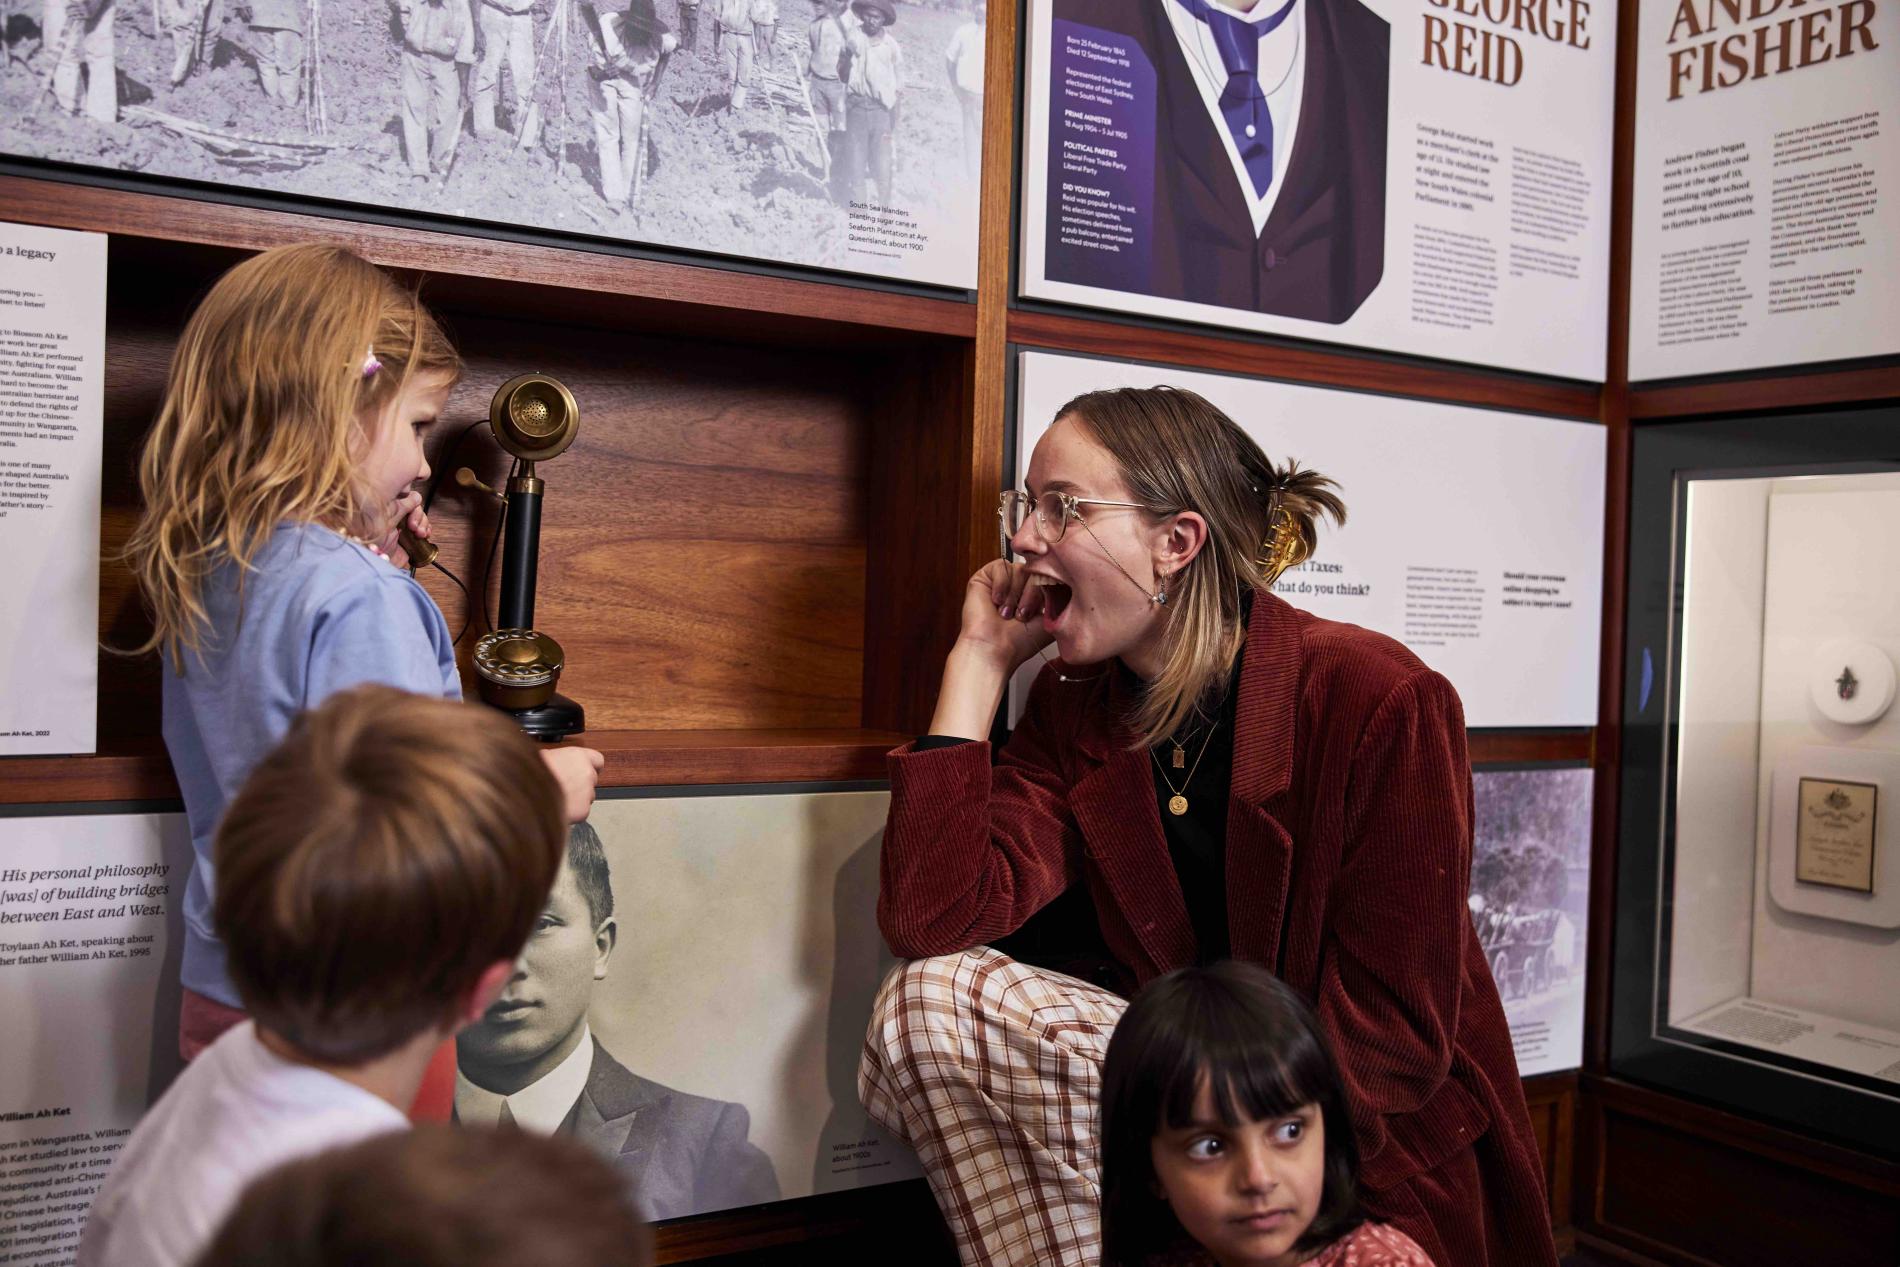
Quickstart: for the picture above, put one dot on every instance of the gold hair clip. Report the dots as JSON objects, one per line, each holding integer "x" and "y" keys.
{"x": 1284, "y": 546}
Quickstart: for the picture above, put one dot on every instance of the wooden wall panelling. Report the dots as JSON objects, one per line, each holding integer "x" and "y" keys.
{"x": 1681, "y": 1183}
{"x": 1342, "y": 367}
{"x": 1552, "y": 1100}
{"x": 990, "y": 360}
{"x": 1799, "y": 388}
{"x": 703, "y": 542}
{"x": 597, "y": 285}
{"x": 919, "y": 502}
{"x": 895, "y": 1222}
{"x": 1614, "y": 413}
{"x": 937, "y": 447}
{"x": 1522, "y": 747}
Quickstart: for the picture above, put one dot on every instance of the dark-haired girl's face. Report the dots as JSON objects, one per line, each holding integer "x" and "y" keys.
{"x": 1247, "y": 1192}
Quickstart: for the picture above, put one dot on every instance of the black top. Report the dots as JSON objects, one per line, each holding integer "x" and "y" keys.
{"x": 1068, "y": 939}
{"x": 1197, "y": 840}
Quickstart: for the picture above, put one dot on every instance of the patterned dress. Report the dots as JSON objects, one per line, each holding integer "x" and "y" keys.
{"x": 1368, "y": 1245}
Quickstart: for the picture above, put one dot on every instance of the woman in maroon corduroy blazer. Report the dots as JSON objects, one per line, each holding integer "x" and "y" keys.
{"x": 1227, "y": 776}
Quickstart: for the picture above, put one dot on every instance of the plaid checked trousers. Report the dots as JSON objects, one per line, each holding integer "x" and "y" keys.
{"x": 991, "y": 1071}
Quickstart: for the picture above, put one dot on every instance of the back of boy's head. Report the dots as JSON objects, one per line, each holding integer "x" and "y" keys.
{"x": 438, "y": 1196}
{"x": 383, "y": 856}
{"x": 259, "y": 424}
{"x": 1257, "y": 1046}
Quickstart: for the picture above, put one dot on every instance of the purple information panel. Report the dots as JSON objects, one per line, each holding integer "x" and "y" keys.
{"x": 1101, "y": 159}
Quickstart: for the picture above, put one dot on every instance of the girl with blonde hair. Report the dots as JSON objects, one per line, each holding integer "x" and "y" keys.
{"x": 286, "y": 457}
{"x": 1211, "y": 774}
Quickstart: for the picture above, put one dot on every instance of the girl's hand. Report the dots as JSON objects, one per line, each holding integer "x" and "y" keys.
{"x": 405, "y": 512}
{"x": 418, "y": 521}
{"x": 577, "y": 770}
{"x": 1002, "y": 615}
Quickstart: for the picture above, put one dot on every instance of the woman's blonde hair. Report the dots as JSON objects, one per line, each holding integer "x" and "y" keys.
{"x": 1178, "y": 452}
{"x": 260, "y": 423}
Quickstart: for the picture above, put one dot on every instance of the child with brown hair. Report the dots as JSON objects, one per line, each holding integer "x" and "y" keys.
{"x": 378, "y": 874}
{"x": 438, "y": 1196}
{"x": 285, "y": 457}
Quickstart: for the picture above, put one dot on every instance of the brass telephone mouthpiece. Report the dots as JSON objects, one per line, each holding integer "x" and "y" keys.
{"x": 421, "y": 553}
{"x": 533, "y": 417}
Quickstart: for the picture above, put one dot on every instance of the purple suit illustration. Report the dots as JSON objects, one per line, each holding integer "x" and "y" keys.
{"x": 1322, "y": 250}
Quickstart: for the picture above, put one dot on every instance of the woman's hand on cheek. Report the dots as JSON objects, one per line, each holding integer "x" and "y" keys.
{"x": 1002, "y": 614}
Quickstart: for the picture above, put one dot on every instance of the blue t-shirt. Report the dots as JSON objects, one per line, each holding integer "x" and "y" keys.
{"x": 320, "y": 614}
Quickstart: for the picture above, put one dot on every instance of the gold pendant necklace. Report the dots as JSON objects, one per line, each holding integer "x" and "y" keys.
{"x": 1178, "y": 803}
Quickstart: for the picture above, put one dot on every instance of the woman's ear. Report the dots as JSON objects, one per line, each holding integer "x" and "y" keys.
{"x": 1182, "y": 538}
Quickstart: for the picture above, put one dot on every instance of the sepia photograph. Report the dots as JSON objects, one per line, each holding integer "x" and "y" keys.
{"x": 691, "y": 1003}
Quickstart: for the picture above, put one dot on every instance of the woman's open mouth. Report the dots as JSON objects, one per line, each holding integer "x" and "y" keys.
{"x": 1055, "y": 601}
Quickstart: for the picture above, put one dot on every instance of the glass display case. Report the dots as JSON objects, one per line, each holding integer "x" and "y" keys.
{"x": 1757, "y": 961}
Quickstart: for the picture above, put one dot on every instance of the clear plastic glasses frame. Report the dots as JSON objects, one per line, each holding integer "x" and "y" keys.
{"x": 1052, "y": 511}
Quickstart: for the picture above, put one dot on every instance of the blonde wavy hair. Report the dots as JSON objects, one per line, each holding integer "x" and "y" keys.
{"x": 1178, "y": 452}
{"x": 268, "y": 410}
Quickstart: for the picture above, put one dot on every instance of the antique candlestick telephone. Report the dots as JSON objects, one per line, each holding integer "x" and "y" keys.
{"x": 533, "y": 417}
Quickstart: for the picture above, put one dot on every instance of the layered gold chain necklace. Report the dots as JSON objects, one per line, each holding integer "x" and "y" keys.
{"x": 1178, "y": 803}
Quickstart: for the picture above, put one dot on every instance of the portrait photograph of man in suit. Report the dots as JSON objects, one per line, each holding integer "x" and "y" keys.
{"x": 1270, "y": 124}
{"x": 533, "y": 1062}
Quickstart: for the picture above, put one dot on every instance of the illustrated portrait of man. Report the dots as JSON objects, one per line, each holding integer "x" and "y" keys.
{"x": 533, "y": 1062}
{"x": 1269, "y": 149}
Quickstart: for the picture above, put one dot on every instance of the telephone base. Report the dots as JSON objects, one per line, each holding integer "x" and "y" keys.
{"x": 551, "y": 722}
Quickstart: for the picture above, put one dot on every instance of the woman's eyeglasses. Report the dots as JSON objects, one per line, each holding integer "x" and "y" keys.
{"x": 1052, "y": 512}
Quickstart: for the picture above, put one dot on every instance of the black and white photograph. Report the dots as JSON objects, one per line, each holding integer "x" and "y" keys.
{"x": 1530, "y": 895}
{"x": 691, "y": 1003}
{"x": 837, "y": 134}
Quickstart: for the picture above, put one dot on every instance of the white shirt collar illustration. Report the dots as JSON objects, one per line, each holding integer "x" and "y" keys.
{"x": 1282, "y": 75}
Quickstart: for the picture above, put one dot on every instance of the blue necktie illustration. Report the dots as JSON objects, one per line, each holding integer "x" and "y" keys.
{"x": 1242, "y": 102}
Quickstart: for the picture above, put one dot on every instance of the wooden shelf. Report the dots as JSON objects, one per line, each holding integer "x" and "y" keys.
{"x": 890, "y": 1222}
{"x": 649, "y": 758}
{"x": 139, "y": 770}
{"x": 1341, "y": 367}
{"x": 503, "y": 276}
{"x": 1503, "y": 747}
{"x": 1789, "y": 389}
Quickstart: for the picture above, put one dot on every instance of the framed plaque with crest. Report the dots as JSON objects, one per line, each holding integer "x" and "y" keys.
{"x": 1834, "y": 834}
